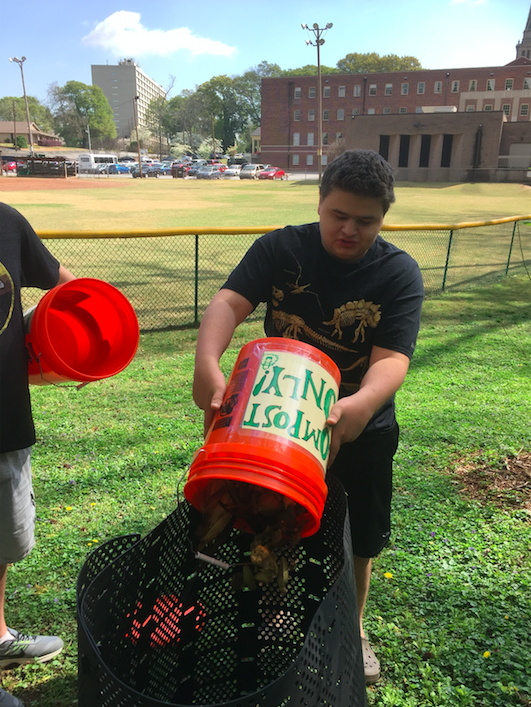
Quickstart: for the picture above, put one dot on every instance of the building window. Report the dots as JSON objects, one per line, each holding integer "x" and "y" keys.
{"x": 342, "y": 91}
{"x": 297, "y": 93}
{"x": 297, "y": 115}
{"x": 506, "y": 108}
{"x": 490, "y": 84}
{"x": 418, "y": 109}
{"x": 386, "y": 110}
{"x": 473, "y": 85}
{"x": 388, "y": 89}
{"x": 421, "y": 87}
{"x": 437, "y": 87}
{"x": 339, "y": 136}
{"x": 311, "y": 115}
{"x": 311, "y": 92}
{"x": 341, "y": 114}
{"x": 309, "y": 159}
{"x": 295, "y": 160}
{"x": 326, "y": 92}
{"x": 324, "y": 159}
{"x": 326, "y": 114}
{"x": 402, "y": 110}
{"x": 446, "y": 156}
{"x": 296, "y": 139}
{"x": 355, "y": 111}
{"x": 509, "y": 84}
{"x": 405, "y": 89}
{"x": 384, "y": 146}
{"x": 455, "y": 87}
{"x": 372, "y": 89}
{"x": 310, "y": 139}
{"x": 527, "y": 84}
{"x": 357, "y": 91}
{"x": 470, "y": 109}
{"x": 487, "y": 107}
{"x": 403, "y": 151}
{"x": 371, "y": 111}
{"x": 425, "y": 146}
{"x": 524, "y": 109}
{"x": 325, "y": 138}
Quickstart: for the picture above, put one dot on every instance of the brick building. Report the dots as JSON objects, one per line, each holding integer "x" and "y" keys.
{"x": 289, "y": 127}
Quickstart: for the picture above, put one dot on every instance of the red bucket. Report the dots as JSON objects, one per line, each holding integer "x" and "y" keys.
{"x": 82, "y": 330}
{"x": 271, "y": 429}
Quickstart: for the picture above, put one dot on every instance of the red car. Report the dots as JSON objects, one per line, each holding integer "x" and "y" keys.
{"x": 9, "y": 167}
{"x": 272, "y": 173}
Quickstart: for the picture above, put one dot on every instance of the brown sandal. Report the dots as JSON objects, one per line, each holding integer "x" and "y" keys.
{"x": 371, "y": 664}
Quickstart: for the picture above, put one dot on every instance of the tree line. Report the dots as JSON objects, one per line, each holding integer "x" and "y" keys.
{"x": 225, "y": 109}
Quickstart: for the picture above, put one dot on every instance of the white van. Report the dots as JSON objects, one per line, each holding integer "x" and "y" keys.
{"x": 91, "y": 163}
{"x": 251, "y": 171}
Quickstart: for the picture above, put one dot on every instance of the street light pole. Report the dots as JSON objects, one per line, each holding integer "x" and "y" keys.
{"x": 318, "y": 33}
{"x": 18, "y": 61}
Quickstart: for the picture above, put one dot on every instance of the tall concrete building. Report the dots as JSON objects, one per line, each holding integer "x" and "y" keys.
{"x": 121, "y": 83}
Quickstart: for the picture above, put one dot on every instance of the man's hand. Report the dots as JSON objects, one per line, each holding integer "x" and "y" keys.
{"x": 348, "y": 418}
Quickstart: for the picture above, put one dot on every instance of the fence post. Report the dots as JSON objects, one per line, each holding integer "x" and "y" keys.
{"x": 447, "y": 259}
{"x": 196, "y": 281}
{"x": 511, "y": 248}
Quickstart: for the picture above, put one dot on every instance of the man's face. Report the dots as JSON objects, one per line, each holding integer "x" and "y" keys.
{"x": 349, "y": 224}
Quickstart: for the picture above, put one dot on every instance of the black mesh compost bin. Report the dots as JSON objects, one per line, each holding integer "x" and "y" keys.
{"x": 159, "y": 627}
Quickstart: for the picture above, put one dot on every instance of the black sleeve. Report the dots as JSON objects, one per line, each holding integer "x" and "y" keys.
{"x": 39, "y": 267}
{"x": 253, "y": 276}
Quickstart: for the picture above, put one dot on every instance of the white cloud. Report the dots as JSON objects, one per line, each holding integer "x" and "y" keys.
{"x": 122, "y": 33}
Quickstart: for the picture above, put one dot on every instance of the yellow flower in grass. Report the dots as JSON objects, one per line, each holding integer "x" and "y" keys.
{"x": 486, "y": 654}
{"x": 68, "y": 508}
{"x": 388, "y": 575}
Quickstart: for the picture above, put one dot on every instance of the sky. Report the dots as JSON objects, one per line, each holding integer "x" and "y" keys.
{"x": 192, "y": 42}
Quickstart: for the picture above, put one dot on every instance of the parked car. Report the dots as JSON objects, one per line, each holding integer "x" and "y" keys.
{"x": 127, "y": 158}
{"x": 9, "y": 167}
{"x": 236, "y": 160}
{"x": 148, "y": 170}
{"x": 194, "y": 169}
{"x": 251, "y": 171}
{"x": 180, "y": 169}
{"x": 233, "y": 171}
{"x": 165, "y": 169}
{"x": 118, "y": 168}
{"x": 210, "y": 171}
{"x": 272, "y": 173}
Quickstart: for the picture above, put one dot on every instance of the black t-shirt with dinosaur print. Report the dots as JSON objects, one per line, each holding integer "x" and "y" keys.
{"x": 344, "y": 309}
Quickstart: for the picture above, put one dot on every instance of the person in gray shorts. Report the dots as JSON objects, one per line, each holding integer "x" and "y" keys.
{"x": 24, "y": 262}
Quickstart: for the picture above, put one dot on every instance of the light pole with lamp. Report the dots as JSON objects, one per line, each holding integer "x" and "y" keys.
{"x": 318, "y": 32}
{"x": 18, "y": 61}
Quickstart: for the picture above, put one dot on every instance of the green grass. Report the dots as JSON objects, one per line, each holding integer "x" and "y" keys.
{"x": 109, "y": 458}
{"x": 167, "y": 203}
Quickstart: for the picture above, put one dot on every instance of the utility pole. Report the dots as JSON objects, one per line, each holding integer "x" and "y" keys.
{"x": 15, "y": 144}
{"x": 18, "y": 61}
{"x": 318, "y": 33}
{"x": 135, "y": 113}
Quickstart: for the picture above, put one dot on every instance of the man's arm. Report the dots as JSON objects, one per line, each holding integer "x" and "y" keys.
{"x": 226, "y": 310}
{"x": 64, "y": 275}
{"x": 350, "y": 415}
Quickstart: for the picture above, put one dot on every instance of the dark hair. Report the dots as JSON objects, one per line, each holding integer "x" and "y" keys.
{"x": 361, "y": 172}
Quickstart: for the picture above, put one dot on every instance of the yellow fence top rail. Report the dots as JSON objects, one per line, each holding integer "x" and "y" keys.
{"x": 154, "y": 232}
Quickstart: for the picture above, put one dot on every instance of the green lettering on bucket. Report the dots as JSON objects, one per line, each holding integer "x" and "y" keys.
{"x": 274, "y": 383}
{"x": 309, "y": 381}
{"x": 250, "y": 422}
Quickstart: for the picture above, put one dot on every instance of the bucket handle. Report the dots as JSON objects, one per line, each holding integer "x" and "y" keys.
{"x": 37, "y": 359}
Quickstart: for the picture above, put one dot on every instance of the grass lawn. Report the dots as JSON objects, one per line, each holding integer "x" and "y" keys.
{"x": 449, "y": 610}
{"x": 168, "y": 203}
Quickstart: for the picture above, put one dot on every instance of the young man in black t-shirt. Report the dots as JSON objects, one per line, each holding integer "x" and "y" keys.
{"x": 24, "y": 262}
{"x": 339, "y": 286}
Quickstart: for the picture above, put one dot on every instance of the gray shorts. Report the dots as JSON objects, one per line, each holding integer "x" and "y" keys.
{"x": 17, "y": 506}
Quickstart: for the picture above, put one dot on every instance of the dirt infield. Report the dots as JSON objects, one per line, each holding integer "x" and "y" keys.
{"x": 51, "y": 183}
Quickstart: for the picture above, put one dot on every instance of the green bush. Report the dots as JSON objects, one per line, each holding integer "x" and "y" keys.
{"x": 22, "y": 142}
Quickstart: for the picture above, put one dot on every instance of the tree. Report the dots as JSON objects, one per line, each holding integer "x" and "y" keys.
{"x": 229, "y": 112}
{"x": 189, "y": 115}
{"x": 75, "y": 107}
{"x": 372, "y": 62}
{"x": 310, "y": 70}
{"x": 248, "y": 87}
{"x": 39, "y": 114}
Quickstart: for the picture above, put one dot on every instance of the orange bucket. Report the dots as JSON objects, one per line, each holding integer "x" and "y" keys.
{"x": 271, "y": 429}
{"x": 82, "y": 330}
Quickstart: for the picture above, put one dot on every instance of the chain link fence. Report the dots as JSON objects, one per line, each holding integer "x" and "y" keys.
{"x": 169, "y": 276}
